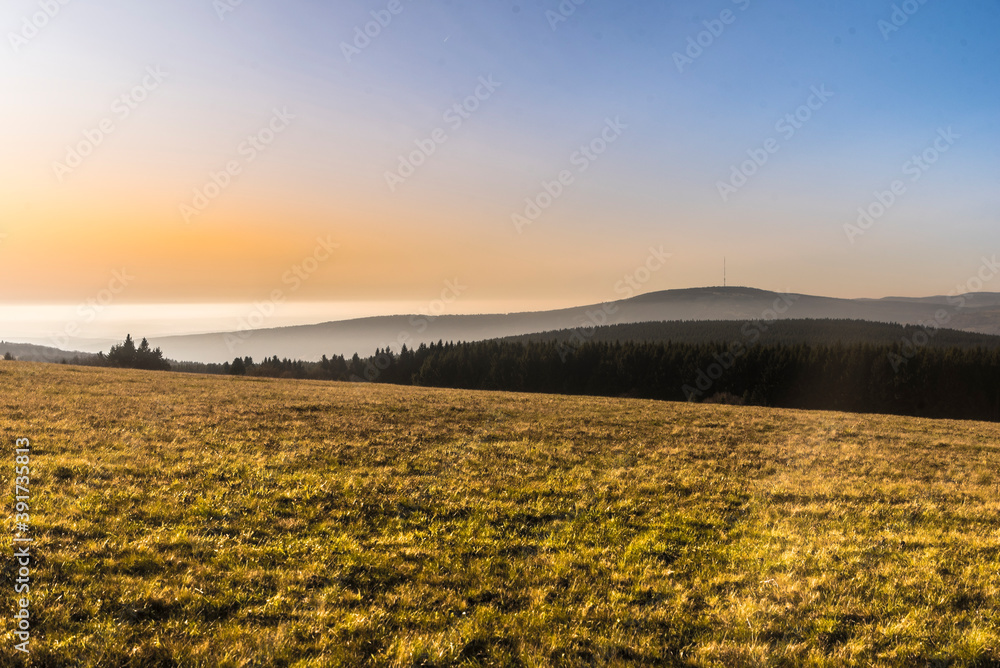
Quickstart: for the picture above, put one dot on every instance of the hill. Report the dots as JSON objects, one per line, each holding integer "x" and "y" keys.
{"x": 195, "y": 520}
{"x": 977, "y": 313}
{"x": 780, "y": 332}
{"x": 28, "y": 352}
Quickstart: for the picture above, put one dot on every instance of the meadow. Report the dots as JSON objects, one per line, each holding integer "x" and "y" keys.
{"x": 185, "y": 520}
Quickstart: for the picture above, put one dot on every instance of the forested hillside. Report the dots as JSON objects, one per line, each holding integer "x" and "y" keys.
{"x": 901, "y": 379}
{"x": 814, "y": 332}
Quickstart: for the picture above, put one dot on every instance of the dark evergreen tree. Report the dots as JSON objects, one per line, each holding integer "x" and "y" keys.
{"x": 238, "y": 368}
{"x": 127, "y": 356}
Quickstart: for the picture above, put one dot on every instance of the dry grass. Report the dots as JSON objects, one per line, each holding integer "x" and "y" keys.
{"x": 209, "y": 521}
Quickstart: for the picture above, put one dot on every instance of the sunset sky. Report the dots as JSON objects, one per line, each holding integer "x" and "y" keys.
{"x": 116, "y": 115}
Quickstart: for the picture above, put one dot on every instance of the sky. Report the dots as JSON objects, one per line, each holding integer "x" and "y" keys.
{"x": 173, "y": 164}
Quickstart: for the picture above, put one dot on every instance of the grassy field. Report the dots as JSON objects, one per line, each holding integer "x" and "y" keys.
{"x": 215, "y": 521}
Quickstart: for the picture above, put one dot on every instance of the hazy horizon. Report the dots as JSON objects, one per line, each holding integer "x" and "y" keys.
{"x": 89, "y": 327}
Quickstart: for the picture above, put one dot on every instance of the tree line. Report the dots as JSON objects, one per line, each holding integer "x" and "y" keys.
{"x": 911, "y": 376}
{"x": 959, "y": 383}
{"x": 125, "y": 355}
{"x": 812, "y": 331}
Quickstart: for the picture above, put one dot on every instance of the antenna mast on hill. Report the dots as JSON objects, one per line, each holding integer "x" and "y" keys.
{"x": 723, "y": 271}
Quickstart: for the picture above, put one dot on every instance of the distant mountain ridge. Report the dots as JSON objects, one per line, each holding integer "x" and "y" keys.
{"x": 979, "y": 313}
{"x": 29, "y": 352}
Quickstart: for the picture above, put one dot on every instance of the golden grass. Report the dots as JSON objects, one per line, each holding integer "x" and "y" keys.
{"x": 216, "y": 521}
